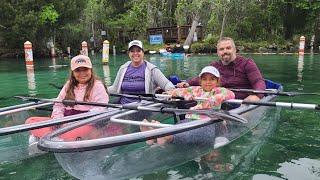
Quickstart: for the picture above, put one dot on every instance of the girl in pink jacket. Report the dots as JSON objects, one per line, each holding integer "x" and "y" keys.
{"x": 82, "y": 85}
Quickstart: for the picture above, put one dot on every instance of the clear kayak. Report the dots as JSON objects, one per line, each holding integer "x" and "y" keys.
{"x": 118, "y": 150}
{"x": 15, "y": 146}
{"x": 14, "y": 133}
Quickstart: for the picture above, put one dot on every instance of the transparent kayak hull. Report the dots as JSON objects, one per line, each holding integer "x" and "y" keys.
{"x": 14, "y": 147}
{"x": 136, "y": 159}
{"x": 14, "y": 133}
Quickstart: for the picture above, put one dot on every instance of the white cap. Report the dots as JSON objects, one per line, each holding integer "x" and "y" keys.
{"x": 210, "y": 69}
{"x": 135, "y": 43}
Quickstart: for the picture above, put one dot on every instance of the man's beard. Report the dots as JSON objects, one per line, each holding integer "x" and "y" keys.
{"x": 227, "y": 60}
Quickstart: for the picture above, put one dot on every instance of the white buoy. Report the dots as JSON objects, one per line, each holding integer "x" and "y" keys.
{"x": 84, "y": 48}
{"x": 69, "y": 52}
{"x": 28, "y": 53}
{"x": 105, "y": 52}
{"x": 301, "y": 45}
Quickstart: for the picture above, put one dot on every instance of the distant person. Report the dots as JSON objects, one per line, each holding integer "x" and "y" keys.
{"x": 138, "y": 76}
{"x": 209, "y": 89}
{"x": 168, "y": 47}
{"x": 178, "y": 48}
{"x": 82, "y": 85}
{"x": 236, "y": 71}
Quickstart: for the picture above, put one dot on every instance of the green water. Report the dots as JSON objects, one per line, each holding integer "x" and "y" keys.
{"x": 290, "y": 152}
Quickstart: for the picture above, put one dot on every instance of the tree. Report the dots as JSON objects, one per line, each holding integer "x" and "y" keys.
{"x": 49, "y": 16}
{"x": 312, "y": 8}
{"x": 192, "y": 10}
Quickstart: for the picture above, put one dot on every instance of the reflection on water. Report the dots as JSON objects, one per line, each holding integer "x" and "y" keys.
{"x": 106, "y": 74}
{"x": 54, "y": 64}
{"x": 31, "y": 81}
{"x": 300, "y": 70}
{"x": 303, "y": 168}
{"x": 186, "y": 66}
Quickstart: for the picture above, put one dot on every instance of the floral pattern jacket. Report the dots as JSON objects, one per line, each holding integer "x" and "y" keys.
{"x": 213, "y": 99}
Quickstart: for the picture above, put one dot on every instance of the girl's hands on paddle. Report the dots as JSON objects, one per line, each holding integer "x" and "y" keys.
{"x": 182, "y": 85}
{"x": 252, "y": 98}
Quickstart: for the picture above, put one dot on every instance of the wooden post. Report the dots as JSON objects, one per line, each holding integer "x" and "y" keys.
{"x": 69, "y": 52}
{"x": 28, "y": 53}
{"x": 301, "y": 45}
{"x": 84, "y": 48}
{"x": 105, "y": 52}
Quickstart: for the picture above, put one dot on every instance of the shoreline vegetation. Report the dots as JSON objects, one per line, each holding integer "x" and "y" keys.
{"x": 256, "y": 26}
{"x": 198, "y": 48}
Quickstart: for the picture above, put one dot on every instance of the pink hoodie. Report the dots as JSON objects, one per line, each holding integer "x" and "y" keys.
{"x": 98, "y": 94}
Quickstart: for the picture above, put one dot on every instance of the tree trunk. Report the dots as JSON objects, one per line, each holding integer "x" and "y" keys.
{"x": 93, "y": 38}
{"x": 54, "y": 36}
{"x": 223, "y": 23}
{"x": 195, "y": 22}
{"x": 317, "y": 32}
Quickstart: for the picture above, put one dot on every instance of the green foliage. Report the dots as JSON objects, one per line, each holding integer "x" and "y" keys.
{"x": 154, "y": 47}
{"x": 252, "y": 23}
{"x": 211, "y": 39}
{"x": 202, "y": 47}
{"x": 48, "y": 14}
{"x": 308, "y": 4}
{"x": 189, "y": 9}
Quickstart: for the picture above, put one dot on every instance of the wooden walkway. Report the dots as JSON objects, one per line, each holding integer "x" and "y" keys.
{"x": 174, "y": 33}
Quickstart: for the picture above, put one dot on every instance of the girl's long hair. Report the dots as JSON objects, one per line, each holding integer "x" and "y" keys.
{"x": 73, "y": 83}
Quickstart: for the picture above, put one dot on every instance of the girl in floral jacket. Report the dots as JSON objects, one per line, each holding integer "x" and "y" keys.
{"x": 214, "y": 96}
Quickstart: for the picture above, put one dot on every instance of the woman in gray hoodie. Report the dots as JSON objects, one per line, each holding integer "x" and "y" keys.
{"x": 138, "y": 76}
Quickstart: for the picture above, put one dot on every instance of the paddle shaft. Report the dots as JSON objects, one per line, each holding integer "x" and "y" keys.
{"x": 152, "y": 97}
{"x": 277, "y": 104}
{"x": 134, "y": 106}
{"x": 23, "y": 107}
{"x": 16, "y": 106}
{"x": 270, "y": 92}
{"x": 274, "y": 104}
